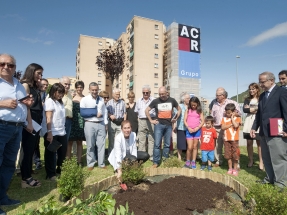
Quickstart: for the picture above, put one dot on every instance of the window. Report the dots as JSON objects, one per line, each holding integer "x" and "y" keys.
{"x": 99, "y": 83}
{"x": 155, "y": 55}
{"x": 156, "y": 36}
{"x": 100, "y": 50}
{"x": 156, "y": 46}
{"x": 156, "y": 75}
{"x": 155, "y": 65}
{"x": 107, "y": 43}
{"x": 156, "y": 27}
{"x": 155, "y": 95}
{"x": 100, "y": 43}
{"x": 99, "y": 74}
{"x": 155, "y": 85}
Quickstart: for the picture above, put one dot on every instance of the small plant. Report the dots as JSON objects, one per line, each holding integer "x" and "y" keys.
{"x": 267, "y": 199}
{"x": 72, "y": 180}
{"x": 133, "y": 172}
{"x": 172, "y": 162}
{"x": 124, "y": 210}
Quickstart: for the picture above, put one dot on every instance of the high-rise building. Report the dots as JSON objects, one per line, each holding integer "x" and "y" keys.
{"x": 86, "y": 69}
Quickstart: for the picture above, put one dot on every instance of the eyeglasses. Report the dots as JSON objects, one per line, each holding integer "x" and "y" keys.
{"x": 262, "y": 82}
{"x": 146, "y": 93}
{"x": 9, "y": 65}
{"x": 219, "y": 95}
{"x": 106, "y": 97}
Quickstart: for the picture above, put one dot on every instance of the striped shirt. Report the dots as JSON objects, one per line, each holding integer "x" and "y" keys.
{"x": 218, "y": 111}
{"x": 141, "y": 105}
{"x": 118, "y": 109}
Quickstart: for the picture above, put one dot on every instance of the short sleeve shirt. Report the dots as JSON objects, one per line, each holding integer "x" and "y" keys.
{"x": 207, "y": 139}
{"x": 164, "y": 109}
{"x": 58, "y": 120}
{"x": 231, "y": 134}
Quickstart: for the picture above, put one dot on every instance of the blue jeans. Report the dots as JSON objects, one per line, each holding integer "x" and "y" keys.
{"x": 68, "y": 127}
{"x": 207, "y": 155}
{"x": 10, "y": 137}
{"x": 160, "y": 131}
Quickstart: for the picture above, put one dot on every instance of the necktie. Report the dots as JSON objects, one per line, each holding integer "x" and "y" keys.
{"x": 266, "y": 94}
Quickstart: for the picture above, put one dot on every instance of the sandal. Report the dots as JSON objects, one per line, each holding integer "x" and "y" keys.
{"x": 30, "y": 183}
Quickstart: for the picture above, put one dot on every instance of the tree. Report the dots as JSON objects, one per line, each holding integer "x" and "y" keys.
{"x": 112, "y": 61}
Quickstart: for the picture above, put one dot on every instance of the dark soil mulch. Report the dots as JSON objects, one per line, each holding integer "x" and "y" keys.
{"x": 178, "y": 195}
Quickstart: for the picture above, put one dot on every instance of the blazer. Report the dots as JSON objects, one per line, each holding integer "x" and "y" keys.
{"x": 274, "y": 107}
{"x": 119, "y": 151}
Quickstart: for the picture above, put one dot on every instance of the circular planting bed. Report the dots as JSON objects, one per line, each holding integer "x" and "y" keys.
{"x": 175, "y": 191}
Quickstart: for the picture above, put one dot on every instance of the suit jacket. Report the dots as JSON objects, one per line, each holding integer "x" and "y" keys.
{"x": 119, "y": 151}
{"x": 275, "y": 106}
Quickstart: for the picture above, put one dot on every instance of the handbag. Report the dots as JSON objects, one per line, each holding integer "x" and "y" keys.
{"x": 89, "y": 112}
{"x": 54, "y": 146}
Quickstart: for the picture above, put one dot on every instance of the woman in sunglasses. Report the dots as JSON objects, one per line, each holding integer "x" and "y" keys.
{"x": 31, "y": 80}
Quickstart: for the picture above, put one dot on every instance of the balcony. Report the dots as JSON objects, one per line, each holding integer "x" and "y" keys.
{"x": 131, "y": 78}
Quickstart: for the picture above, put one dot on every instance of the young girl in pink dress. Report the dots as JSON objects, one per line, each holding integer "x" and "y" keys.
{"x": 193, "y": 120}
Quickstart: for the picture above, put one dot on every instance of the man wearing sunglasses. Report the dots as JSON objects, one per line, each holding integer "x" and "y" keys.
{"x": 13, "y": 114}
{"x": 145, "y": 128}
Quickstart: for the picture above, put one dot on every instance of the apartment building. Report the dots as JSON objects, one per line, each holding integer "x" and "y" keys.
{"x": 86, "y": 69}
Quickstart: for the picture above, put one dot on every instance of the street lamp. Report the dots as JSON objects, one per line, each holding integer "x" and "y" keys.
{"x": 237, "y": 79}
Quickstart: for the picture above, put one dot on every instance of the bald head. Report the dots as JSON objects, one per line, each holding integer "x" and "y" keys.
{"x": 162, "y": 93}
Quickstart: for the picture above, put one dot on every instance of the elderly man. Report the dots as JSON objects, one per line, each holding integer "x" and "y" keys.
{"x": 162, "y": 123}
{"x": 68, "y": 103}
{"x": 13, "y": 114}
{"x": 272, "y": 104}
{"x": 95, "y": 131}
{"x": 117, "y": 113}
{"x": 218, "y": 110}
{"x": 145, "y": 127}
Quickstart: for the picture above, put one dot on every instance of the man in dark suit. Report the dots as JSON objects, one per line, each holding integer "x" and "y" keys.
{"x": 272, "y": 104}
{"x": 283, "y": 78}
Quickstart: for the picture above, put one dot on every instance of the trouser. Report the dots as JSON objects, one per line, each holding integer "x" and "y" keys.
{"x": 62, "y": 151}
{"x": 146, "y": 128}
{"x": 50, "y": 157}
{"x": 160, "y": 131}
{"x": 37, "y": 155}
{"x": 10, "y": 137}
{"x": 141, "y": 157}
{"x": 219, "y": 145}
{"x": 95, "y": 134}
{"x": 113, "y": 130}
{"x": 274, "y": 155}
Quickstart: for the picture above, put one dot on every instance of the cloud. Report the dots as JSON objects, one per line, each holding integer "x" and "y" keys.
{"x": 48, "y": 43}
{"x": 36, "y": 40}
{"x": 278, "y": 30}
{"x": 30, "y": 40}
{"x": 45, "y": 31}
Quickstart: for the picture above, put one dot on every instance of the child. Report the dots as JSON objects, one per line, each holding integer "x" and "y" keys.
{"x": 208, "y": 140}
{"x": 230, "y": 124}
{"x": 193, "y": 120}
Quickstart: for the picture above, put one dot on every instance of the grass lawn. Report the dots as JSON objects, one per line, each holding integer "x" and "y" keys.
{"x": 33, "y": 197}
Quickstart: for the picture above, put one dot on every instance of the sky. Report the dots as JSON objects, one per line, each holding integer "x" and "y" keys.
{"x": 47, "y": 33}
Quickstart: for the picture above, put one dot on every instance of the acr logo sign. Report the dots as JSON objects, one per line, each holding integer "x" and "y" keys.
{"x": 188, "y": 38}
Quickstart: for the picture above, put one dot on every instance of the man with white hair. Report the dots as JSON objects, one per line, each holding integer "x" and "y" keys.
{"x": 68, "y": 103}
{"x": 13, "y": 113}
{"x": 217, "y": 112}
{"x": 117, "y": 113}
{"x": 145, "y": 127}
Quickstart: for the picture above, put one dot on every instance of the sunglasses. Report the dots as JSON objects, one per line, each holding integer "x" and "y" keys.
{"x": 146, "y": 93}
{"x": 106, "y": 97}
{"x": 9, "y": 65}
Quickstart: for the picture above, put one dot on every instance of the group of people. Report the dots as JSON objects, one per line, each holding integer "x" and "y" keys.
{"x": 135, "y": 130}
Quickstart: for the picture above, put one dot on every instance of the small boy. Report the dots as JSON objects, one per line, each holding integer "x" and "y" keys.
{"x": 230, "y": 124}
{"x": 208, "y": 140}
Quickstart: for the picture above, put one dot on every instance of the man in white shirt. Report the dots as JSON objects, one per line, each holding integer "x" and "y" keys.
{"x": 145, "y": 127}
{"x": 95, "y": 131}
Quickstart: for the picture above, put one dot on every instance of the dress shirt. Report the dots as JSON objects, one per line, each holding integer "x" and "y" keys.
{"x": 141, "y": 105}
{"x": 68, "y": 103}
{"x": 90, "y": 102}
{"x": 218, "y": 110}
{"x": 269, "y": 91}
{"x": 118, "y": 109}
{"x": 15, "y": 91}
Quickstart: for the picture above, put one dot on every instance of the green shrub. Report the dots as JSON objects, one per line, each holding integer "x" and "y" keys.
{"x": 72, "y": 179}
{"x": 268, "y": 200}
{"x": 132, "y": 171}
{"x": 124, "y": 210}
{"x": 172, "y": 162}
